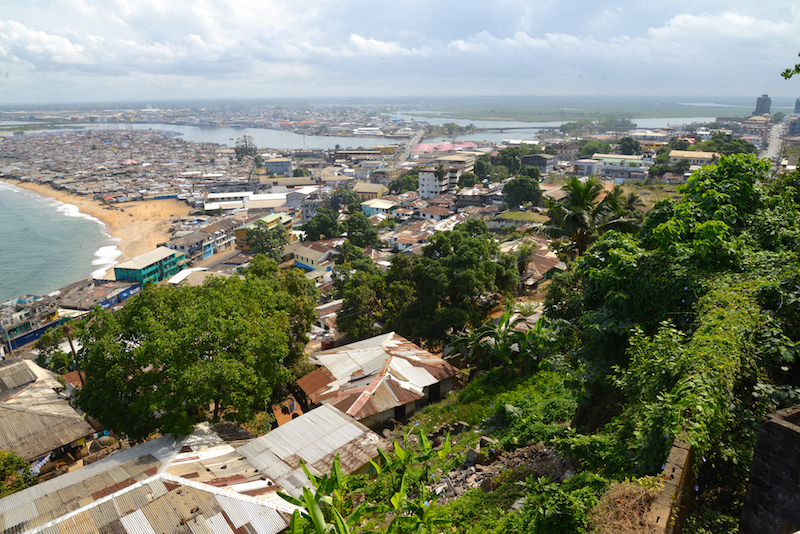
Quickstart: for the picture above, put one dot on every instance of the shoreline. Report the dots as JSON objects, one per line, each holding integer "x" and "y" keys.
{"x": 138, "y": 226}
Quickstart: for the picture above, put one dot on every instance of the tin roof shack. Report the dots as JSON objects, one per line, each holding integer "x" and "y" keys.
{"x": 378, "y": 379}
{"x": 34, "y": 419}
{"x": 25, "y": 319}
{"x": 85, "y": 294}
{"x": 135, "y": 491}
{"x": 316, "y": 437}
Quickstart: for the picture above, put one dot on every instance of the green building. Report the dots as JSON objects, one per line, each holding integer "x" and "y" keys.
{"x": 154, "y": 266}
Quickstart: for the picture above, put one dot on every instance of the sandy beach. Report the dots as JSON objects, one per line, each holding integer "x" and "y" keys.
{"x": 139, "y": 226}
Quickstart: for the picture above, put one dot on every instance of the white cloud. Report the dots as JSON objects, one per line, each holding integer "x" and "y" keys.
{"x": 509, "y": 46}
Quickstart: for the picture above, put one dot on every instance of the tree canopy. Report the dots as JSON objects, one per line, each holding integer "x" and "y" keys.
{"x": 408, "y": 181}
{"x": 175, "y": 356}
{"x": 324, "y": 224}
{"x": 360, "y": 231}
{"x": 590, "y": 148}
{"x": 521, "y": 190}
{"x": 629, "y": 146}
{"x": 245, "y": 146}
{"x": 15, "y": 473}
{"x": 267, "y": 241}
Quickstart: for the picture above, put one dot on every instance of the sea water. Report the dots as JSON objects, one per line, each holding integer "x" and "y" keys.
{"x": 46, "y": 244}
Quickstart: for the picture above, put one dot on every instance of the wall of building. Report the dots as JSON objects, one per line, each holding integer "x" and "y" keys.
{"x": 773, "y": 493}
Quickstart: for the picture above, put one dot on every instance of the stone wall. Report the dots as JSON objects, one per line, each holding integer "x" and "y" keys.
{"x": 668, "y": 511}
{"x": 773, "y": 493}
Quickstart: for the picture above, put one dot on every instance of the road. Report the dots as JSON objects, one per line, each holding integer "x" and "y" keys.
{"x": 773, "y": 150}
{"x": 404, "y": 155}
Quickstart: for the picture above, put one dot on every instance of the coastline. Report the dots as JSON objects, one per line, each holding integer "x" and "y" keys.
{"x": 138, "y": 226}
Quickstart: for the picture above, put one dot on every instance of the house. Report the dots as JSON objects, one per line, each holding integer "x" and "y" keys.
{"x": 544, "y": 162}
{"x": 385, "y": 175}
{"x": 377, "y": 205}
{"x": 271, "y": 221}
{"x": 368, "y": 191}
{"x": 314, "y": 256}
{"x": 25, "y": 319}
{"x": 35, "y": 421}
{"x": 223, "y": 232}
{"x": 377, "y": 379}
{"x": 465, "y": 162}
{"x": 218, "y": 479}
{"x": 314, "y": 438}
{"x": 196, "y": 246}
{"x": 566, "y": 151}
{"x": 436, "y": 213}
{"x": 153, "y": 266}
{"x": 695, "y": 157}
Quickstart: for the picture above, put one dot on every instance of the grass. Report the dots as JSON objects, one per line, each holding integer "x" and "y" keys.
{"x": 524, "y": 216}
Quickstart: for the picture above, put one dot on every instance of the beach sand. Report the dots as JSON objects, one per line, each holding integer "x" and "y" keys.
{"x": 139, "y": 226}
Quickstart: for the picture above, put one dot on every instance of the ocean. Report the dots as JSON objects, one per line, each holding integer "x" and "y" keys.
{"x": 46, "y": 244}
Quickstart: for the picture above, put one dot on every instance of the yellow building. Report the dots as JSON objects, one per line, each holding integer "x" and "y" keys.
{"x": 271, "y": 221}
{"x": 695, "y": 157}
{"x": 368, "y": 191}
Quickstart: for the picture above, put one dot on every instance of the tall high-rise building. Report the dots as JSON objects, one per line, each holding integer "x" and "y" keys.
{"x": 797, "y": 106}
{"x": 762, "y": 104}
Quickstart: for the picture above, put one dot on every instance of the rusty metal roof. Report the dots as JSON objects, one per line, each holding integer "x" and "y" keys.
{"x": 315, "y": 438}
{"x": 374, "y": 375}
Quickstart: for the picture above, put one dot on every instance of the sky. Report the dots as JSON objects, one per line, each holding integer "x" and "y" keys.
{"x": 63, "y": 51}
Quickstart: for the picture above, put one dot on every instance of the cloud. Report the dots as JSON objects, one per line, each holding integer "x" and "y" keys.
{"x": 429, "y": 47}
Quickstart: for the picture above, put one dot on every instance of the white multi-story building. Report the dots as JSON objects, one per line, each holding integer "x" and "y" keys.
{"x": 431, "y": 186}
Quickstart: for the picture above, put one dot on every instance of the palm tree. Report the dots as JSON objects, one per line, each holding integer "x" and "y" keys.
{"x": 523, "y": 255}
{"x": 582, "y": 216}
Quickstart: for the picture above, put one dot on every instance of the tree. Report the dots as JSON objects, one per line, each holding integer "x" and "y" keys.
{"x": 468, "y": 179}
{"x": 521, "y": 190}
{"x": 299, "y": 172}
{"x": 15, "y": 473}
{"x": 482, "y": 167}
{"x": 499, "y": 173}
{"x": 590, "y": 148}
{"x": 245, "y": 146}
{"x": 788, "y": 73}
{"x": 408, "y": 181}
{"x": 457, "y": 281}
{"x": 360, "y": 231}
{"x": 344, "y": 196}
{"x": 681, "y": 166}
{"x": 268, "y": 241}
{"x": 551, "y": 150}
{"x": 628, "y": 145}
{"x": 583, "y": 215}
{"x": 324, "y": 224}
{"x": 175, "y": 356}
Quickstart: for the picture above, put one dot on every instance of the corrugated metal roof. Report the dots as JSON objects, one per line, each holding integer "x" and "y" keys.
{"x": 20, "y": 514}
{"x": 136, "y": 523}
{"x": 219, "y": 525}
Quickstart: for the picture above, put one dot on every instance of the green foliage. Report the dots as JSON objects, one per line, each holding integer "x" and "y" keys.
{"x": 344, "y": 196}
{"x": 628, "y": 145}
{"x": 590, "y": 148}
{"x": 468, "y": 179}
{"x": 554, "y": 507}
{"x": 159, "y": 362}
{"x": 267, "y": 241}
{"x": 50, "y": 354}
{"x": 585, "y": 214}
{"x": 360, "y": 231}
{"x": 245, "y": 146}
{"x": 324, "y": 224}
{"x": 726, "y": 144}
{"x": 15, "y": 473}
{"x": 408, "y": 181}
{"x": 522, "y": 190}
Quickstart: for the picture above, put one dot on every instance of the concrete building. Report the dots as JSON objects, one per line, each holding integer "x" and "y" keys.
{"x": 544, "y": 162}
{"x": 586, "y": 167}
{"x": 154, "y": 266}
{"x": 195, "y": 246}
{"x": 431, "y": 186}
{"x": 279, "y": 166}
{"x": 695, "y": 157}
{"x": 376, "y": 206}
{"x": 763, "y": 104}
{"x": 368, "y": 191}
